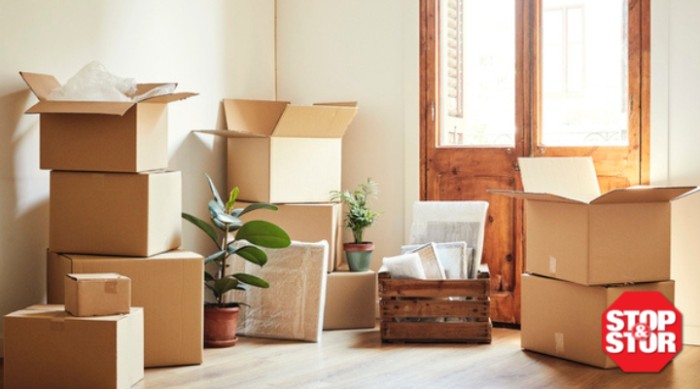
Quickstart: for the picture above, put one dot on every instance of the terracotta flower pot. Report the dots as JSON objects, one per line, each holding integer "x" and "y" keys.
{"x": 358, "y": 255}
{"x": 220, "y": 326}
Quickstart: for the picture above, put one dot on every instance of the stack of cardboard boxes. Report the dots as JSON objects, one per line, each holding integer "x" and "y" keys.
{"x": 290, "y": 155}
{"x": 584, "y": 250}
{"x": 114, "y": 207}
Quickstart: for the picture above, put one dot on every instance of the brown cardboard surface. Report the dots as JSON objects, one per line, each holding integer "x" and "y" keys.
{"x": 101, "y": 136}
{"x": 97, "y": 294}
{"x": 310, "y": 222}
{"x": 564, "y": 319}
{"x": 47, "y": 348}
{"x": 115, "y": 213}
{"x": 169, "y": 288}
{"x": 276, "y": 150}
{"x": 619, "y": 237}
{"x": 351, "y": 298}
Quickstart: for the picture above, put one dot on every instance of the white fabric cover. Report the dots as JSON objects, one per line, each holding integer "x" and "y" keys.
{"x": 292, "y": 307}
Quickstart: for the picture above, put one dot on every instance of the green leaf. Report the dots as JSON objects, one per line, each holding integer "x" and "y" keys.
{"x": 265, "y": 234}
{"x": 253, "y": 207}
{"x": 232, "y": 199}
{"x": 204, "y": 226}
{"x": 215, "y": 192}
{"x": 221, "y": 216}
{"x": 251, "y": 280}
{"x": 224, "y": 285}
{"x": 208, "y": 277}
{"x": 217, "y": 256}
{"x": 251, "y": 254}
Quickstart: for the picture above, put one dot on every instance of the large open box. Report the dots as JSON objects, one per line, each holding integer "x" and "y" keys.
{"x": 576, "y": 234}
{"x": 351, "y": 299}
{"x": 101, "y": 136}
{"x": 312, "y": 222}
{"x": 169, "y": 288}
{"x": 564, "y": 319}
{"x": 45, "y": 347}
{"x": 413, "y": 310}
{"x": 284, "y": 153}
{"x": 115, "y": 213}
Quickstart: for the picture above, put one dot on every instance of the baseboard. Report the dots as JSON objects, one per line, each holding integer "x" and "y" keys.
{"x": 691, "y": 335}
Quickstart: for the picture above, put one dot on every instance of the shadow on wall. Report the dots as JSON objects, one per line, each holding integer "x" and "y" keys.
{"x": 23, "y": 207}
{"x": 196, "y": 155}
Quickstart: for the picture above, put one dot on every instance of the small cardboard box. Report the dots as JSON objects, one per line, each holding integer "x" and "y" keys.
{"x": 97, "y": 294}
{"x": 351, "y": 298}
{"x": 115, "y": 213}
{"x": 576, "y": 234}
{"x": 101, "y": 136}
{"x": 169, "y": 288}
{"x": 564, "y": 319}
{"x": 311, "y": 222}
{"x": 283, "y": 153}
{"x": 45, "y": 347}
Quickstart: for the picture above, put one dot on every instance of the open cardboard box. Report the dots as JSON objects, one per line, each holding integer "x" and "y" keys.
{"x": 101, "y": 136}
{"x": 576, "y": 234}
{"x": 284, "y": 153}
{"x": 45, "y": 347}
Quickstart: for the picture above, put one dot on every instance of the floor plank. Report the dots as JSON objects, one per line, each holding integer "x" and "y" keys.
{"x": 358, "y": 359}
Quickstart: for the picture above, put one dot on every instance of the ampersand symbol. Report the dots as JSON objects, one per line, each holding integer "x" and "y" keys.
{"x": 641, "y": 331}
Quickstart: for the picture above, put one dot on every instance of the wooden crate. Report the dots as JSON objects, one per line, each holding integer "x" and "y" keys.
{"x": 434, "y": 310}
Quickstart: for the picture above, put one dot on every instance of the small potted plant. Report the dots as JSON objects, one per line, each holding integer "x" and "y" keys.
{"x": 232, "y": 236}
{"x": 358, "y": 217}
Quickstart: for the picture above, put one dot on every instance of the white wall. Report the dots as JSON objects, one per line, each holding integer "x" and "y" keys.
{"x": 675, "y": 131}
{"x": 219, "y": 48}
{"x": 367, "y": 51}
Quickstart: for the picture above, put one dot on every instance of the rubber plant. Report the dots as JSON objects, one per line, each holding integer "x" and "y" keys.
{"x": 357, "y": 218}
{"x": 233, "y": 237}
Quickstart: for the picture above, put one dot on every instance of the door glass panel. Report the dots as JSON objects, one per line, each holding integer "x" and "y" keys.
{"x": 477, "y": 73}
{"x": 584, "y": 73}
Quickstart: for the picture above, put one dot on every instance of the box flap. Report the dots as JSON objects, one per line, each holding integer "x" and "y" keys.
{"x": 40, "y": 84}
{"x": 535, "y": 196}
{"x": 169, "y": 98}
{"x": 233, "y": 134}
{"x": 318, "y": 121}
{"x": 252, "y": 116}
{"x": 340, "y": 104}
{"x": 84, "y": 107}
{"x": 570, "y": 177}
{"x": 643, "y": 194}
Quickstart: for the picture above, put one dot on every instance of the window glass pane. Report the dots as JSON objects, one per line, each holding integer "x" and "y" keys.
{"x": 584, "y": 73}
{"x": 477, "y": 73}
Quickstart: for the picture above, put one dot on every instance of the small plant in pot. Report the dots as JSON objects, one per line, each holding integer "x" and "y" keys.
{"x": 358, "y": 217}
{"x": 232, "y": 236}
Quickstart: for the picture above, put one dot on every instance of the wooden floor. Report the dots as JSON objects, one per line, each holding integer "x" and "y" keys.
{"x": 358, "y": 359}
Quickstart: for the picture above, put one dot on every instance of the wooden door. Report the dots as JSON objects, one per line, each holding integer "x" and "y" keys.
{"x": 468, "y": 171}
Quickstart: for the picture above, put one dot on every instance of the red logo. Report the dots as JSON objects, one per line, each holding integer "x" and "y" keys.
{"x": 642, "y": 332}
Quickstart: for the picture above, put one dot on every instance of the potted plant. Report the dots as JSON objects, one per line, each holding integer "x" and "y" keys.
{"x": 358, "y": 217}
{"x": 232, "y": 236}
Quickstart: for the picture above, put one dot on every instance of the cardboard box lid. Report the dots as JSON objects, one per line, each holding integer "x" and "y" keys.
{"x": 42, "y": 85}
{"x": 574, "y": 180}
{"x": 265, "y": 118}
{"x": 94, "y": 276}
{"x": 56, "y": 312}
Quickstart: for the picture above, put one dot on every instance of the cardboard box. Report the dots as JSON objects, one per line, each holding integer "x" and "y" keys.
{"x": 101, "y": 136}
{"x": 115, "y": 213}
{"x": 283, "y": 153}
{"x": 576, "y": 234}
{"x": 311, "y": 222}
{"x": 351, "y": 298}
{"x": 564, "y": 319}
{"x": 45, "y": 347}
{"x": 169, "y": 288}
{"x": 97, "y": 294}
